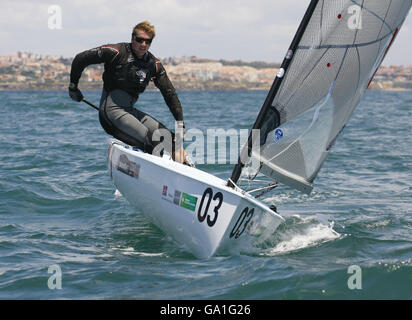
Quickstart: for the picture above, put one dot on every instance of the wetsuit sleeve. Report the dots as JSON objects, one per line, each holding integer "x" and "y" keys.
{"x": 106, "y": 54}
{"x": 162, "y": 81}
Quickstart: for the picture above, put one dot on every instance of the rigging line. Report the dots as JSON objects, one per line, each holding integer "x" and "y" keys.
{"x": 374, "y": 14}
{"x": 265, "y": 191}
{"x": 236, "y": 185}
{"x": 254, "y": 180}
{"x": 270, "y": 186}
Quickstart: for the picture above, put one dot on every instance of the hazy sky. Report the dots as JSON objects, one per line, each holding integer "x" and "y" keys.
{"x": 229, "y": 29}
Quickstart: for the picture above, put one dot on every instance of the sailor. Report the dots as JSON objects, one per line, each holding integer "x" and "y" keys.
{"x": 128, "y": 69}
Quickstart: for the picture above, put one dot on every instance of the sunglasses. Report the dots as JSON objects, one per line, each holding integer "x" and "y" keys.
{"x": 141, "y": 40}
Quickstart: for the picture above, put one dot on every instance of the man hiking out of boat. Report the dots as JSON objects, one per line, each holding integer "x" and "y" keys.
{"x": 128, "y": 69}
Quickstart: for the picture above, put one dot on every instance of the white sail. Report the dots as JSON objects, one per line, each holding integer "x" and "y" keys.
{"x": 342, "y": 45}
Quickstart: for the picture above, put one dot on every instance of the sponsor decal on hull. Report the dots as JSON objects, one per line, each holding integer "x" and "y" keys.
{"x": 179, "y": 198}
{"x": 189, "y": 202}
{"x": 128, "y": 167}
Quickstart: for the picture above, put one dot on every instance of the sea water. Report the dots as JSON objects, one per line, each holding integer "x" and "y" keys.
{"x": 66, "y": 233}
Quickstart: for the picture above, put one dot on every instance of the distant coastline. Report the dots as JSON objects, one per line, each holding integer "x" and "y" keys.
{"x": 28, "y": 71}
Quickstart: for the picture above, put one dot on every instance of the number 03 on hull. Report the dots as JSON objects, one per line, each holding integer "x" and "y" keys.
{"x": 195, "y": 208}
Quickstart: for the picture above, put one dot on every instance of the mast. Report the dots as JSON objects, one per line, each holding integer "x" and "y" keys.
{"x": 267, "y": 105}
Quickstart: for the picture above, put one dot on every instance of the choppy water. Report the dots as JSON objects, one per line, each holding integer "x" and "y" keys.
{"x": 59, "y": 207}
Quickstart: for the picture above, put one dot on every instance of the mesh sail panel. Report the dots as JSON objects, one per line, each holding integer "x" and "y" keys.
{"x": 341, "y": 48}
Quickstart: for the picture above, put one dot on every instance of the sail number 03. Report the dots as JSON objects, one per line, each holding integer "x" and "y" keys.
{"x": 203, "y": 213}
{"x": 242, "y": 222}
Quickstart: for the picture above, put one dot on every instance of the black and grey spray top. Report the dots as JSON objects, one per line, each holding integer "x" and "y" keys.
{"x": 124, "y": 71}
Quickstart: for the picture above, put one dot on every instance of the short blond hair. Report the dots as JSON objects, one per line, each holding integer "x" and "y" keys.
{"x": 145, "y": 26}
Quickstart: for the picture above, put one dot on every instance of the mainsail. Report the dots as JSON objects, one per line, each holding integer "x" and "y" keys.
{"x": 332, "y": 59}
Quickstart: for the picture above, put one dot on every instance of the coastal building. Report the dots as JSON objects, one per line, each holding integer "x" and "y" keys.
{"x": 30, "y": 71}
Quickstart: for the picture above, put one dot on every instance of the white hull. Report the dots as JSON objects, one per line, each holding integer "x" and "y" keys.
{"x": 195, "y": 208}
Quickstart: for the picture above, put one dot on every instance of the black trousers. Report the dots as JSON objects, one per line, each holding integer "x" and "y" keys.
{"x": 120, "y": 119}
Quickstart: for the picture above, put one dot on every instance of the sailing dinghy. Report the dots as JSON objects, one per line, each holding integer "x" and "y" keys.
{"x": 333, "y": 57}
{"x": 195, "y": 208}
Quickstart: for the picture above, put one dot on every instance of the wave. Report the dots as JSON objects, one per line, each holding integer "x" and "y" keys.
{"x": 299, "y": 233}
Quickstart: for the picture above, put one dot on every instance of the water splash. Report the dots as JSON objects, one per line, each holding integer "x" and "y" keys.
{"x": 299, "y": 233}
{"x": 118, "y": 194}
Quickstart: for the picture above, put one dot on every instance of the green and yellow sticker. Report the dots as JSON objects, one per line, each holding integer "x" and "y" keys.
{"x": 187, "y": 201}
